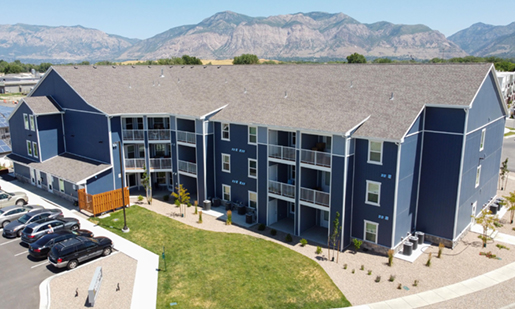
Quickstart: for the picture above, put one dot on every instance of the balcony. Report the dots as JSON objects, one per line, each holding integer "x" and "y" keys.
{"x": 317, "y": 158}
{"x": 133, "y": 135}
{"x": 159, "y": 135}
{"x": 314, "y": 196}
{"x": 188, "y": 167}
{"x": 161, "y": 163}
{"x": 281, "y": 152}
{"x": 134, "y": 163}
{"x": 186, "y": 137}
{"x": 281, "y": 188}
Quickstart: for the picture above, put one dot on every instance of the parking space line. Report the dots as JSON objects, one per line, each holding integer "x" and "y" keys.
{"x": 8, "y": 242}
{"x": 41, "y": 264}
{"x": 24, "y": 252}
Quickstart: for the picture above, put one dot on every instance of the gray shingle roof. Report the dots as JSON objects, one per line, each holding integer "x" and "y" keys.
{"x": 66, "y": 166}
{"x": 311, "y": 97}
{"x": 42, "y": 105}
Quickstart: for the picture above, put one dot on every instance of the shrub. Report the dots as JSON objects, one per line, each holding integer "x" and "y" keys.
{"x": 303, "y": 242}
{"x": 498, "y": 224}
{"x": 273, "y": 232}
{"x": 229, "y": 218}
{"x": 362, "y": 267}
{"x": 196, "y": 204}
{"x": 288, "y": 238}
{"x": 140, "y": 198}
{"x": 344, "y": 266}
{"x": 353, "y": 271}
{"x": 440, "y": 249}
{"x": 369, "y": 272}
{"x": 166, "y": 197}
{"x": 200, "y": 216}
{"x": 428, "y": 263}
{"x": 177, "y": 203}
{"x": 261, "y": 227}
{"x": 319, "y": 250}
{"x": 390, "y": 257}
{"x": 392, "y": 278}
{"x": 399, "y": 286}
{"x": 415, "y": 283}
{"x": 502, "y": 247}
{"x": 357, "y": 243}
{"x": 378, "y": 278}
{"x": 189, "y": 204}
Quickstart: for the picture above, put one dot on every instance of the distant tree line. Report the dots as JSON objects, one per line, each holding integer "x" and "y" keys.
{"x": 18, "y": 67}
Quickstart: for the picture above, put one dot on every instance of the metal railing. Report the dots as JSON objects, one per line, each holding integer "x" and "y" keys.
{"x": 158, "y": 135}
{"x": 161, "y": 163}
{"x": 313, "y": 157}
{"x": 314, "y": 196}
{"x": 281, "y": 188}
{"x": 134, "y": 163}
{"x": 188, "y": 167}
{"x": 133, "y": 135}
{"x": 281, "y": 152}
{"x": 186, "y": 137}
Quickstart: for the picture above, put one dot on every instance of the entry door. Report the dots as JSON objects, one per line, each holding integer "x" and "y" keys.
{"x": 272, "y": 172}
{"x": 324, "y": 218}
{"x": 32, "y": 176}
{"x": 50, "y": 182}
{"x": 38, "y": 178}
{"x": 474, "y": 206}
{"x": 272, "y": 212}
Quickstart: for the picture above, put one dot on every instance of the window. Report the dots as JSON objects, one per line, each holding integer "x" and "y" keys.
{"x": 252, "y": 199}
{"x": 35, "y": 149}
{"x": 32, "y": 125}
{"x": 61, "y": 185}
{"x": 226, "y": 131}
{"x": 482, "y": 144}
{"x": 159, "y": 150}
{"x": 373, "y": 192}
{"x": 130, "y": 152}
{"x": 29, "y": 148}
{"x": 478, "y": 175}
{"x": 128, "y": 124}
{"x": 292, "y": 207}
{"x": 375, "y": 150}
{"x": 26, "y": 121}
{"x": 252, "y": 168}
{"x": 371, "y": 231}
{"x": 226, "y": 163}
{"x": 226, "y": 193}
{"x": 293, "y": 139}
{"x": 142, "y": 151}
{"x": 252, "y": 135}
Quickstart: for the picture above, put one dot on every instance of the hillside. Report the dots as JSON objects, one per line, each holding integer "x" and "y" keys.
{"x": 487, "y": 40}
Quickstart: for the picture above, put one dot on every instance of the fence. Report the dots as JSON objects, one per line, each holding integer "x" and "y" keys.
{"x": 99, "y": 203}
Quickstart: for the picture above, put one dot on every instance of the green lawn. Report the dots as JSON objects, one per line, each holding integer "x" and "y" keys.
{"x": 219, "y": 270}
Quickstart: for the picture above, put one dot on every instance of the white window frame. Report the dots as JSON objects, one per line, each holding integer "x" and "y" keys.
{"x": 32, "y": 123}
{"x": 26, "y": 121}
{"x": 61, "y": 185}
{"x": 253, "y": 135}
{"x": 29, "y": 148}
{"x": 482, "y": 142}
{"x": 378, "y": 193}
{"x": 290, "y": 205}
{"x": 35, "y": 150}
{"x": 223, "y": 192}
{"x": 365, "y": 230}
{"x": 478, "y": 176}
{"x": 224, "y": 155}
{"x": 380, "y": 162}
{"x": 228, "y": 132}
{"x": 250, "y": 200}
{"x": 250, "y": 175}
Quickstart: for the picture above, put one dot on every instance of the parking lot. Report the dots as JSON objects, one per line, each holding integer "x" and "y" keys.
{"x": 21, "y": 276}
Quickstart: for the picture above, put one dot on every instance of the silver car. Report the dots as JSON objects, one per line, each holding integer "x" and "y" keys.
{"x": 12, "y": 213}
{"x": 13, "y": 198}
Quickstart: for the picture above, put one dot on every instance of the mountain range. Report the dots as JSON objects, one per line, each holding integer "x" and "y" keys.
{"x": 314, "y": 35}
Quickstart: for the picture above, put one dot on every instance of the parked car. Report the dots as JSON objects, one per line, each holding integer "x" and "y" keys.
{"x": 13, "y": 198}
{"x": 71, "y": 252}
{"x": 11, "y": 213}
{"x": 36, "y": 230}
{"x": 15, "y": 228}
{"x": 41, "y": 247}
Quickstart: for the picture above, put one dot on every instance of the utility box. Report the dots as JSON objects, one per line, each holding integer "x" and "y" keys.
{"x": 407, "y": 248}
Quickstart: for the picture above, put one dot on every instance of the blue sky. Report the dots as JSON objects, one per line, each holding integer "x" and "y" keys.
{"x": 144, "y": 19}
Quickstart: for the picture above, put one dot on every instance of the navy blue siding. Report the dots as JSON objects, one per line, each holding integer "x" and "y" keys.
{"x": 487, "y": 105}
{"x": 173, "y": 149}
{"x": 439, "y": 183}
{"x": 445, "y": 119}
{"x": 263, "y": 183}
{"x": 101, "y": 183}
{"x": 19, "y": 135}
{"x": 308, "y": 218}
{"x": 116, "y": 136}
{"x": 348, "y": 202}
{"x": 50, "y": 136}
{"x": 210, "y": 166}
{"x": 418, "y": 125}
{"x": 408, "y": 186}
{"x": 87, "y": 135}
{"x": 22, "y": 170}
{"x": 337, "y": 174}
{"x": 385, "y": 174}
{"x": 200, "y": 165}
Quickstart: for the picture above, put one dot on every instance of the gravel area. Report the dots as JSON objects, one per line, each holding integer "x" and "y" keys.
{"x": 117, "y": 268}
{"x": 464, "y": 262}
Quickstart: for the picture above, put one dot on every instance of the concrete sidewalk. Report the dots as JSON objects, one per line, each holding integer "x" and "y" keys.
{"x": 145, "y": 286}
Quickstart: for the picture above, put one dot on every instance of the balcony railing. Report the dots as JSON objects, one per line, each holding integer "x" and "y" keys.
{"x": 281, "y": 188}
{"x": 186, "y": 137}
{"x": 188, "y": 167}
{"x": 314, "y": 196}
{"x": 281, "y": 152}
{"x": 318, "y": 158}
{"x": 133, "y": 135}
{"x": 161, "y": 163}
{"x": 134, "y": 163}
{"x": 158, "y": 135}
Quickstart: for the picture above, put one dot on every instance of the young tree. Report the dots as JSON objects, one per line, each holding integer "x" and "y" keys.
{"x": 504, "y": 174}
{"x": 336, "y": 231}
{"x": 182, "y": 195}
{"x": 145, "y": 181}
{"x": 510, "y": 199}
{"x": 356, "y": 58}
{"x": 487, "y": 221}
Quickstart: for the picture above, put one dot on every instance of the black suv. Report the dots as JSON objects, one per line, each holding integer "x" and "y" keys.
{"x": 42, "y": 246}
{"x": 70, "y": 253}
